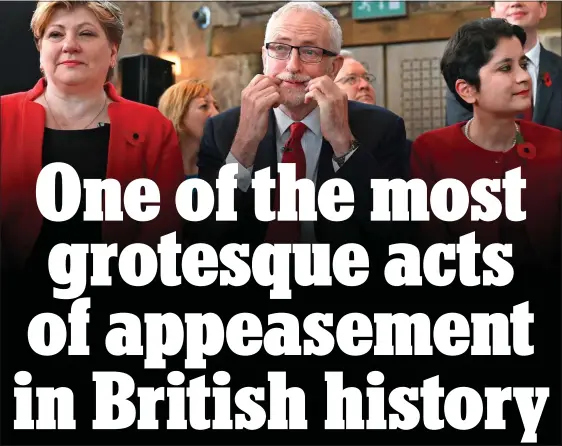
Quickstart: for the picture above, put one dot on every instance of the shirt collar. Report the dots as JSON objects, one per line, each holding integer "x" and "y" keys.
{"x": 312, "y": 121}
{"x": 534, "y": 54}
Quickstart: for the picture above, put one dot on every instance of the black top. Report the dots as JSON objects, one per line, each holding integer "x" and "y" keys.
{"x": 86, "y": 151}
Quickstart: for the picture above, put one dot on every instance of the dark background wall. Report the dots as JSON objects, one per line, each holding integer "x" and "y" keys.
{"x": 19, "y": 69}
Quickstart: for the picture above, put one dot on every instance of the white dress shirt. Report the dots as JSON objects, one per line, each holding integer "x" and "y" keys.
{"x": 311, "y": 144}
{"x": 533, "y": 68}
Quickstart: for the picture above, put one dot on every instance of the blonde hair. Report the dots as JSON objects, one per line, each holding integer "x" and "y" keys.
{"x": 174, "y": 102}
{"x": 108, "y": 14}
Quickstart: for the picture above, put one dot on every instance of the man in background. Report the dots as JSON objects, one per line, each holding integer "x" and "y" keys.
{"x": 545, "y": 67}
{"x": 354, "y": 80}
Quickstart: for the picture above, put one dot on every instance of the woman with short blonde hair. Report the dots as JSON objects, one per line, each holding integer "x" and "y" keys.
{"x": 188, "y": 104}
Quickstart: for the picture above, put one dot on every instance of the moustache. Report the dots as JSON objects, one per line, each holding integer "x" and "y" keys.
{"x": 293, "y": 77}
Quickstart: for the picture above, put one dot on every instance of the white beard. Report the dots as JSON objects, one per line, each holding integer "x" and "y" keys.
{"x": 291, "y": 97}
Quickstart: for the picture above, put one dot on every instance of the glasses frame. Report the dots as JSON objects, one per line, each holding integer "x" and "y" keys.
{"x": 344, "y": 79}
{"x": 298, "y": 48}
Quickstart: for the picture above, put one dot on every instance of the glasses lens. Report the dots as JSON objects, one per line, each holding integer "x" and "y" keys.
{"x": 278, "y": 50}
{"x": 310, "y": 54}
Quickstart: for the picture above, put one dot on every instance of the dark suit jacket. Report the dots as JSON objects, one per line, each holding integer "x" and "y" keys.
{"x": 382, "y": 154}
{"x": 142, "y": 144}
{"x": 548, "y": 106}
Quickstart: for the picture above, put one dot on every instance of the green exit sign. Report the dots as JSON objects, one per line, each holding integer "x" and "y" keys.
{"x": 378, "y": 10}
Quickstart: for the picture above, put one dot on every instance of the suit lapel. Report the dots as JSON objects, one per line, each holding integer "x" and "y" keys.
{"x": 325, "y": 166}
{"x": 544, "y": 92}
{"x": 266, "y": 155}
{"x": 126, "y": 140}
{"x": 32, "y": 132}
{"x": 29, "y": 162}
{"x": 31, "y": 137}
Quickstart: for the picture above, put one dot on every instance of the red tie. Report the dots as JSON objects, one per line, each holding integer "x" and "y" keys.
{"x": 289, "y": 231}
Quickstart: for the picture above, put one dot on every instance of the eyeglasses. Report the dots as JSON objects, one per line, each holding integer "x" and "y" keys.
{"x": 352, "y": 79}
{"x": 307, "y": 54}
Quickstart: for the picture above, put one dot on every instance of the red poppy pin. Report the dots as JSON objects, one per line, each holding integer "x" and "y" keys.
{"x": 525, "y": 150}
{"x": 546, "y": 80}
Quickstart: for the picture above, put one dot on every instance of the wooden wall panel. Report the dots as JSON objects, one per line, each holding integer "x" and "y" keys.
{"x": 417, "y": 27}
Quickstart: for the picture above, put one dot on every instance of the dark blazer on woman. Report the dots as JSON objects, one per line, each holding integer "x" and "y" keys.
{"x": 142, "y": 144}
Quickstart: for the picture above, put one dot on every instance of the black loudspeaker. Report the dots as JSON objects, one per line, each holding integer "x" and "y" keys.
{"x": 144, "y": 78}
{"x": 20, "y": 69}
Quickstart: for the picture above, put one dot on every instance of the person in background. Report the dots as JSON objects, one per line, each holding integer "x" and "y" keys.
{"x": 485, "y": 66}
{"x": 544, "y": 67}
{"x": 354, "y": 80}
{"x": 73, "y": 115}
{"x": 188, "y": 104}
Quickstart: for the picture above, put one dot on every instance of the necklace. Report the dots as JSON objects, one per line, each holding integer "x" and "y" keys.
{"x": 89, "y": 123}
{"x": 467, "y": 126}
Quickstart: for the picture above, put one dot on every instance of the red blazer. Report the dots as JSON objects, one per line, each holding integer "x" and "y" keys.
{"x": 446, "y": 153}
{"x": 142, "y": 144}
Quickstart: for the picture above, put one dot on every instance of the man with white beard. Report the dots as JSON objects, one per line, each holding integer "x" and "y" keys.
{"x": 295, "y": 113}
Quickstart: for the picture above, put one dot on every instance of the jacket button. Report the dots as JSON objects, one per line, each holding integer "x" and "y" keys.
{"x": 135, "y": 136}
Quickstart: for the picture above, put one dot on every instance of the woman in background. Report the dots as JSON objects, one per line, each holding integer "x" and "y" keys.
{"x": 485, "y": 67}
{"x": 188, "y": 104}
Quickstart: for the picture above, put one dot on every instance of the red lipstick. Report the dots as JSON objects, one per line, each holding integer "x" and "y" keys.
{"x": 517, "y": 15}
